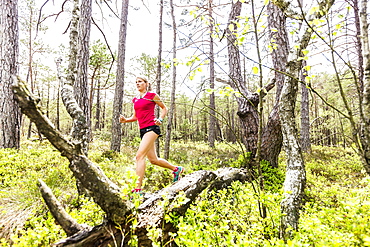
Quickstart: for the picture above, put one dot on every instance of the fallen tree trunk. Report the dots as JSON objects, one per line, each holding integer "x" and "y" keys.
{"x": 175, "y": 199}
{"x": 104, "y": 192}
{"x": 117, "y": 228}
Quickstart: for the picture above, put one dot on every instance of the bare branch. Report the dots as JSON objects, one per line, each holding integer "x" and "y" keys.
{"x": 69, "y": 225}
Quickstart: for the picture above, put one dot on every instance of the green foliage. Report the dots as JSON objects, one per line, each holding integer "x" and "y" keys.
{"x": 335, "y": 213}
{"x": 229, "y": 217}
{"x": 199, "y": 156}
{"x": 19, "y": 170}
{"x": 85, "y": 211}
{"x": 38, "y": 231}
{"x": 273, "y": 178}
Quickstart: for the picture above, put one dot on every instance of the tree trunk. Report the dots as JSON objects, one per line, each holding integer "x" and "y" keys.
{"x": 80, "y": 128}
{"x": 248, "y": 102}
{"x": 69, "y": 225}
{"x": 118, "y": 94}
{"x": 57, "y": 118}
{"x": 159, "y": 65}
{"x": 10, "y": 115}
{"x": 80, "y": 86}
{"x": 365, "y": 125}
{"x": 98, "y": 107}
{"x": 295, "y": 179}
{"x": 305, "y": 117}
{"x": 272, "y": 137}
{"x": 212, "y": 103}
{"x": 173, "y": 89}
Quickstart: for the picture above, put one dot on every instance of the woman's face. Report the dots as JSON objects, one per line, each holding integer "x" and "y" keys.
{"x": 141, "y": 85}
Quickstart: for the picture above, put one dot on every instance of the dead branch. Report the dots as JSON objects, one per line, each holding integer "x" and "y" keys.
{"x": 69, "y": 225}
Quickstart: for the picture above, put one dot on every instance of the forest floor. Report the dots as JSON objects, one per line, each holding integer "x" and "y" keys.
{"x": 336, "y": 211}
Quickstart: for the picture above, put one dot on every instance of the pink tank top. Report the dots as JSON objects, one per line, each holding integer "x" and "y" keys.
{"x": 144, "y": 109}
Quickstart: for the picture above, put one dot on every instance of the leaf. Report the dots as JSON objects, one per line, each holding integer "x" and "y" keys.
{"x": 231, "y": 27}
{"x": 307, "y": 79}
{"x": 316, "y": 22}
{"x": 307, "y": 67}
{"x": 313, "y": 10}
{"x": 366, "y": 240}
{"x": 255, "y": 70}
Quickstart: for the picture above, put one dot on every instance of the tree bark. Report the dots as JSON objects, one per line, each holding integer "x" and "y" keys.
{"x": 272, "y": 137}
{"x": 57, "y": 117}
{"x": 118, "y": 94}
{"x": 295, "y": 179}
{"x": 212, "y": 103}
{"x": 98, "y": 106}
{"x": 10, "y": 115}
{"x": 248, "y": 102}
{"x": 69, "y": 225}
{"x": 159, "y": 65}
{"x": 305, "y": 139}
{"x": 173, "y": 89}
{"x": 80, "y": 128}
{"x": 80, "y": 86}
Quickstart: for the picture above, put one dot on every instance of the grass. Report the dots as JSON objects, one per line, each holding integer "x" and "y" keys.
{"x": 336, "y": 210}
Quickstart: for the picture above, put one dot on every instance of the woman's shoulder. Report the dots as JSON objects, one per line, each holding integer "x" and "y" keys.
{"x": 150, "y": 95}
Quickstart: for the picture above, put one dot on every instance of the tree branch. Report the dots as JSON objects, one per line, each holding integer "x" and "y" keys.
{"x": 69, "y": 225}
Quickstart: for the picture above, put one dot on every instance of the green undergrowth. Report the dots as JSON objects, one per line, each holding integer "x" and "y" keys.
{"x": 336, "y": 210}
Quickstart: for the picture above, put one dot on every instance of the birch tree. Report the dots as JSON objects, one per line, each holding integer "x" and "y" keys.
{"x": 365, "y": 137}
{"x": 295, "y": 178}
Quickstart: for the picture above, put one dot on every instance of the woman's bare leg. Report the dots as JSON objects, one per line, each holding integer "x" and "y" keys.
{"x": 147, "y": 148}
{"x": 153, "y": 158}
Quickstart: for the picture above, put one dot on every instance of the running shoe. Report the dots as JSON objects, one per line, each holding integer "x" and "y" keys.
{"x": 177, "y": 173}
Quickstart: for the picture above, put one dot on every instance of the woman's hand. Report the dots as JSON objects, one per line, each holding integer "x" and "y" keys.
{"x": 122, "y": 119}
{"x": 158, "y": 121}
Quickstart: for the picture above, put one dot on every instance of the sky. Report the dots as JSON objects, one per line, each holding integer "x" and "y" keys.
{"x": 142, "y": 32}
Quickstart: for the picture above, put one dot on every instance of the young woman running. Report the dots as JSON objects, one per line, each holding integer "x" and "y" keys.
{"x": 144, "y": 105}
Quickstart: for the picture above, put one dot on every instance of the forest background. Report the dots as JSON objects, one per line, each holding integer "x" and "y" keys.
{"x": 205, "y": 129}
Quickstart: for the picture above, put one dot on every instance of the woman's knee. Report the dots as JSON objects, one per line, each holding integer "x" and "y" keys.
{"x": 139, "y": 156}
{"x": 154, "y": 161}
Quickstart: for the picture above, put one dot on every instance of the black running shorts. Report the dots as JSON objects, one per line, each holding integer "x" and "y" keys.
{"x": 154, "y": 128}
